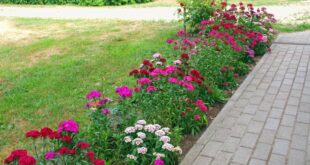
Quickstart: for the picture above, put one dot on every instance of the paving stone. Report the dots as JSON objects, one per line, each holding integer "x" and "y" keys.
{"x": 249, "y": 140}
{"x": 285, "y": 132}
{"x": 288, "y": 120}
{"x": 255, "y": 127}
{"x": 257, "y": 162}
{"x": 222, "y": 158}
{"x": 276, "y": 160}
{"x": 231, "y": 144}
{"x": 221, "y": 134}
{"x": 279, "y": 103}
{"x": 239, "y": 130}
{"x": 262, "y": 151}
{"x": 250, "y": 109}
{"x": 260, "y": 116}
{"x": 244, "y": 119}
{"x": 267, "y": 136}
{"x": 281, "y": 147}
{"x": 291, "y": 110}
{"x": 201, "y": 160}
{"x": 304, "y": 107}
{"x": 301, "y": 129}
{"x": 296, "y": 157}
{"x": 293, "y": 101}
{"x": 276, "y": 113}
{"x": 305, "y": 99}
{"x": 242, "y": 155}
{"x": 299, "y": 142}
{"x": 272, "y": 124}
{"x": 303, "y": 117}
{"x": 212, "y": 148}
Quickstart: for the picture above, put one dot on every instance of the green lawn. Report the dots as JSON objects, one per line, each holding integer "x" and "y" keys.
{"x": 44, "y": 77}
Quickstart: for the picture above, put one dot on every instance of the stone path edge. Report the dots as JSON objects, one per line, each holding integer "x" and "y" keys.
{"x": 193, "y": 153}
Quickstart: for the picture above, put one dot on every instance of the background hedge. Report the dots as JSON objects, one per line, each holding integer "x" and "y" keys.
{"x": 76, "y": 2}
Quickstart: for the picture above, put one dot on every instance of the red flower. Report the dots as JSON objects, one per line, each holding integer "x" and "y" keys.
{"x": 33, "y": 134}
{"x": 162, "y": 59}
{"x": 250, "y": 5}
{"x": 213, "y": 3}
{"x": 236, "y": 75}
{"x": 133, "y": 72}
{"x": 71, "y": 152}
{"x": 26, "y": 160}
{"x": 183, "y": 113}
{"x": 98, "y": 162}
{"x": 195, "y": 73}
{"x": 63, "y": 150}
{"x": 19, "y": 153}
{"x": 91, "y": 156}
{"x": 224, "y": 4}
{"x": 45, "y": 132}
{"x": 9, "y": 159}
{"x": 146, "y": 62}
{"x": 184, "y": 56}
{"x": 196, "y": 117}
{"x": 181, "y": 4}
{"x": 54, "y": 135}
{"x": 83, "y": 145}
{"x": 225, "y": 84}
{"x": 66, "y": 139}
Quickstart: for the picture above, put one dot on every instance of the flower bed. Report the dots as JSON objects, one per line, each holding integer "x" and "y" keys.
{"x": 173, "y": 96}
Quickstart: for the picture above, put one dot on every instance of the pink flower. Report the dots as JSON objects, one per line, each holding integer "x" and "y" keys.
{"x": 144, "y": 81}
{"x": 196, "y": 40}
{"x": 188, "y": 86}
{"x": 177, "y": 62}
{"x": 151, "y": 88}
{"x": 200, "y": 104}
{"x": 181, "y": 32}
{"x": 93, "y": 94}
{"x": 169, "y": 40}
{"x": 68, "y": 126}
{"x": 188, "y": 78}
{"x": 196, "y": 117}
{"x": 204, "y": 22}
{"x": 170, "y": 69}
{"x": 159, "y": 162}
{"x": 173, "y": 80}
{"x": 124, "y": 91}
{"x": 137, "y": 89}
{"x": 106, "y": 111}
{"x": 50, "y": 155}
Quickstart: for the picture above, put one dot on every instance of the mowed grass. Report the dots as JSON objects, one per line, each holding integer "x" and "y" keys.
{"x": 44, "y": 77}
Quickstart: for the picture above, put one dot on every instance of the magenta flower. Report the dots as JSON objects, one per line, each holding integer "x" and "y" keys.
{"x": 201, "y": 105}
{"x": 188, "y": 86}
{"x": 144, "y": 81}
{"x": 159, "y": 162}
{"x": 106, "y": 111}
{"x": 169, "y": 40}
{"x": 151, "y": 88}
{"x": 68, "y": 126}
{"x": 173, "y": 80}
{"x": 170, "y": 69}
{"x": 93, "y": 94}
{"x": 204, "y": 22}
{"x": 124, "y": 91}
{"x": 181, "y": 32}
{"x": 50, "y": 155}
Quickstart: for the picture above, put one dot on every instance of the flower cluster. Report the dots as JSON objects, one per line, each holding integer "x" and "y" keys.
{"x": 143, "y": 138}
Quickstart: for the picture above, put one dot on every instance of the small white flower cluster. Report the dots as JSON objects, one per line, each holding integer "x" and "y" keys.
{"x": 132, "y": 157}
{"x": 141, "y": 130}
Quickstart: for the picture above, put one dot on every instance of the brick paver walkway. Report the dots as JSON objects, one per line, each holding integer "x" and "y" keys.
{"x": 267, "y": 120}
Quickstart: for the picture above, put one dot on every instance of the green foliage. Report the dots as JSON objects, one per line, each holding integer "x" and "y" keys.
{"x": 75, "y": 2}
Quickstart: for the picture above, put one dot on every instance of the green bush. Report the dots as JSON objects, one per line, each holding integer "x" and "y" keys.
{"x": 75, "y": 2}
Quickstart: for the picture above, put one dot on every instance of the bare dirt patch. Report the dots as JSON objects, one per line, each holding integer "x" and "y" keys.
{"x": 10, "y": 34}
{"x": 45, "y": 54}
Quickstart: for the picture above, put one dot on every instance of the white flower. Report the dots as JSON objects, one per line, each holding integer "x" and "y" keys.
{"x": 157, "y": 55}
{"x": 159, "y": 63}
{"x": 127, "y": 139}
{"x": 142, "y": 150}
{"x": 141, "y": 122}
{"x": 177, "y": 149}
{"x": 166, "y": 129}
{"x": 137, "y": 141}
{"x": 168, "y": 146}
{"x": 139, "y": 127}
{"x": 150, "y": 128}
{"x": 160, "y": 133}
{"x": 157, "y": 126}
{"x": 165, "y": 139}
{"x": 141, "y": 65}
{"x": 158, "y": 155}
{"x": 131, "y": 157}
{"x": 177, "y": 62}
{"x": 141, "y": 135}
{"x": 130, "y": 130}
